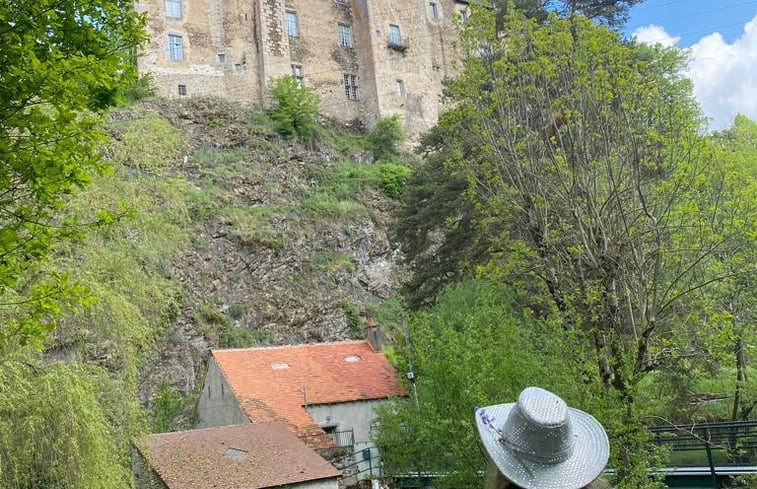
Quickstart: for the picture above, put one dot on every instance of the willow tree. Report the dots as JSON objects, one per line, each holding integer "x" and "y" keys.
{"x": 587, "y": 171}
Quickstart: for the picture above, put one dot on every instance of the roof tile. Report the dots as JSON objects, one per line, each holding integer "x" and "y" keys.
{"x": 275, "y": 383}
{"x": 250, "y": 456}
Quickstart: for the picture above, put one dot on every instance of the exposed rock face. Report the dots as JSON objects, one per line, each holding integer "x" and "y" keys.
{"x": 262, "y": 269}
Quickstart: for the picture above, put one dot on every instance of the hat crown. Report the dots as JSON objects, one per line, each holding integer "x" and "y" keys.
{"x": 539, "y": 428}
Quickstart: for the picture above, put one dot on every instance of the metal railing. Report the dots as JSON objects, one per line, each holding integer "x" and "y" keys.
{"x": 331, "y": 441}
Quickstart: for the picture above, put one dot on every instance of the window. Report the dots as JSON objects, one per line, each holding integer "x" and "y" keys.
{"x": 237, "y": 66}
{"x": 221, "y": 58}
{"x": 345, "y": 35}
{"x": 400, "y": 89}
{"x": 292, "y": 23}
{"x": 183, "y": 91}
{"x": 395, "y": 39}
{"x": 175, "y": 48}
{"x": 297, "y": 74}
{"x": 433, "y": 10}
{"x": 341, "y": 1}
{"x": 173, "y": 9}
{"x": 350, "y": 86}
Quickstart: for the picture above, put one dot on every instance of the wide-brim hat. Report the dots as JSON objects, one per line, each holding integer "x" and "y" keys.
{"x": 540, "y": 443}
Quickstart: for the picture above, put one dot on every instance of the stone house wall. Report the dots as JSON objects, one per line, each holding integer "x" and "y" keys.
{"x": 144, "y": 476}
{"x": 217, "y": 405}
{"x": 357, "y": 416}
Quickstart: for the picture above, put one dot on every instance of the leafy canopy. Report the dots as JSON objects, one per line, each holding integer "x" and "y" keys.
{"x": 573, "y": 167}
{"x": 63, "y": 63}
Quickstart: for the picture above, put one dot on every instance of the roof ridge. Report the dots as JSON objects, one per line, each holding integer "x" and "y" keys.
{"x": 194, "y": 430}
{"x": 279, "y": 347}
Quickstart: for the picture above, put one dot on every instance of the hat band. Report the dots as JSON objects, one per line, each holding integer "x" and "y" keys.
{"x": 532, "y": 456}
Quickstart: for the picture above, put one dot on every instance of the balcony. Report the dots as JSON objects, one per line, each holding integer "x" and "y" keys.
{"x": 331, "y": 443}
{"x": 397, "y": 44}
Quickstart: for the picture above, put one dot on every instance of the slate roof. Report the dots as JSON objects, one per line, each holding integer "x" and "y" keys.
{"x": 275, "y": 383}
{"x": 252, "y": 456}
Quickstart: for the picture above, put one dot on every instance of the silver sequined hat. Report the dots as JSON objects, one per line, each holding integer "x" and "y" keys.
{"x": 541, "y": 443}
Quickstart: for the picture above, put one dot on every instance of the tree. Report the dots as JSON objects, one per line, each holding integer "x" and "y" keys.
{"x": 612, "y": 13}
{"x": 475, "y": 347}
{"x": 294, "y": 109}
{"x": 734, "y": 298}
{"x": 587, "y": 172}
{"x": 62, "y": 64}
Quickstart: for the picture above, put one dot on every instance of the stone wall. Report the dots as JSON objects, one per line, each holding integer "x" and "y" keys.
{"x": 217, "y": 405}
{"x": 233, "y": 48}
{"x": 144, "y": 476}
{"x": 357, "y": 416}
{"x": 219, "y": 55}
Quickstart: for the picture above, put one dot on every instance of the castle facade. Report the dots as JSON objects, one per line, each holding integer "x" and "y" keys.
{"x": 364, "y": 58}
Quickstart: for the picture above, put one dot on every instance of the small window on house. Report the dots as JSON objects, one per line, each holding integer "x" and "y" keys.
{"x": 345, "y": 35}
{"x": 433, "y": 10}
{"x": 352, "y": 359}
{"x": 175, "y": 47}
{"x": 237, "y": 66}
{"x": 350, "y": 86}
{"x": 183, "y": 91}
{"x": 395, "y": 39}
{"x": 280, "y": 366}
{"x": 173, "y": 9}
{"x": 221, "y": 58}
{"x": 400, "y": 89}
{"x": 291, "y": 17}
{"x": 297, "y": 74}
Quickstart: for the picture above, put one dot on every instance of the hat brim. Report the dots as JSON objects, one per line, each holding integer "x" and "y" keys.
{"x": 590, "y": 454}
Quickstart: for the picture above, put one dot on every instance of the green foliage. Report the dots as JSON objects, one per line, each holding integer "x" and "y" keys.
{"x": 572, "y": 166}
{"x": 294, "y": 108}
{"x": 352, "y": 316}
{"x": 63, "y": 65}
{"x": 165, "y": 407}
{"x": 474, "y": 348}
{"x": 385, "y": 137}
{"x": 57, "y": 427}
{"x": 219, "y": 329}
{"x": 149, "y": 143}
{"x": 393, "y": 177}
{"x": 141, "y": 88}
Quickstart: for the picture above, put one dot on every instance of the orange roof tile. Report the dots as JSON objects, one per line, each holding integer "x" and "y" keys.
{"x": 274, "y": 383}
{"x": 250, "y": 456}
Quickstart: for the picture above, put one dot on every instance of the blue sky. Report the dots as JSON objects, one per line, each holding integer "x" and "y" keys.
{"x": 720, "y": 38}
{"x": 693, "y": 19}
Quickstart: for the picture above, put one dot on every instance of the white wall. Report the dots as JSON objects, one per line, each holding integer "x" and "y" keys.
{"x": 357, "y": 416}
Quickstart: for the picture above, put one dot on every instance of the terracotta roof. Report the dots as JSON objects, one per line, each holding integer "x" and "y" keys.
{"x": 249, "y": 456}
{"x": 273, "y": 384}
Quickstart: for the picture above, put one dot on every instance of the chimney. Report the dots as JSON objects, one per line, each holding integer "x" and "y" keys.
{"x": 372, "y": 334}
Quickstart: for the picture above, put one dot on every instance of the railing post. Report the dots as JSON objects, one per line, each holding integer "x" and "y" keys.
{"x": 708, "y": 451}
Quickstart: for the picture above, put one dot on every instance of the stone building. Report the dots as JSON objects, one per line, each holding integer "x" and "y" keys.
{"x": 365, "y": 58}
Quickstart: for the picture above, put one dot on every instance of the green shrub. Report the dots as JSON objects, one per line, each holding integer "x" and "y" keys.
{"x": 392, "y": 178}
{"x": 139, "y": 89}
{"x": 294, "y": 108}
{"x": 352, "y": 316}
{"x": 166, "y": 405}
{"x": 385, "y": 138}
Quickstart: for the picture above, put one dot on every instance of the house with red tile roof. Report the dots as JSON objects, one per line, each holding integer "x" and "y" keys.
{"x": 251, "y": 456}
{"x": 316, "y": 390}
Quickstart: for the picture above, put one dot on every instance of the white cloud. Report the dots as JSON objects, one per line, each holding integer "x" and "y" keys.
{"x": 654, "y": 34}
{"x": 724, "y": 75}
